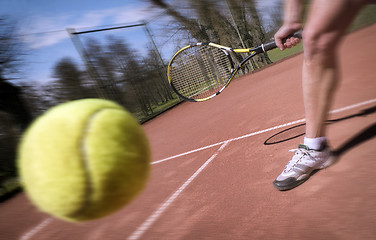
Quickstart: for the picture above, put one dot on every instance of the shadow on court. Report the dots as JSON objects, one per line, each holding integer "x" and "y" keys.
{"x": 298, "y": 131}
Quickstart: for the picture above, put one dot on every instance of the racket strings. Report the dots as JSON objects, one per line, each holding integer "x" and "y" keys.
{"x": 201, "y": 71}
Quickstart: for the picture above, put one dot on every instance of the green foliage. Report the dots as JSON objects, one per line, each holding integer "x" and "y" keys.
{"x": 276, "y": 54}
{"x": 366, "y": 17}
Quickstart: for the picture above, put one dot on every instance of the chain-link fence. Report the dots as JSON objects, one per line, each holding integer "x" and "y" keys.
{"x": 127, "y": 63}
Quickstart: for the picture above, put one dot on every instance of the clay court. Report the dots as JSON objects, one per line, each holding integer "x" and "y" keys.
{"x": 214, "y": 164}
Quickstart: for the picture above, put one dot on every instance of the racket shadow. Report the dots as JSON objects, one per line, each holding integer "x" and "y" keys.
{"x": 299, "y": 130}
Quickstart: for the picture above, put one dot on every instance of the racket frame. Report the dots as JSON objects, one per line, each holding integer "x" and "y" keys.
{"x": 227, "y": 50}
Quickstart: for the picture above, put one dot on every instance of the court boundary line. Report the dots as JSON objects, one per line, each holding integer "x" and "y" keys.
{"x": 160, "y": 210}
{"x": 36, "y": 229}
{"x": 262, "y": 131}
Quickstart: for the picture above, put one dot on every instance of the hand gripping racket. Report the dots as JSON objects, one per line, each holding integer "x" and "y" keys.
{"x": 201, "y": 71}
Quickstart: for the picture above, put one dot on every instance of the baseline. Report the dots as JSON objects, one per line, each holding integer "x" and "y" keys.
{"x": 157, "y": 213}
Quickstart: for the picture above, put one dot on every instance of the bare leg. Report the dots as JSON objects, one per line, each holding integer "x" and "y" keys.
{"x": 328, "y": 21}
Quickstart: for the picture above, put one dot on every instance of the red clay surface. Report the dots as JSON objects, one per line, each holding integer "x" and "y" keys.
{"x": 231, "y": 196}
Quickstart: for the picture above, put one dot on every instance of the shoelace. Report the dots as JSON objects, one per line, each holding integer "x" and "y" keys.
{"x": 299, "y": 154}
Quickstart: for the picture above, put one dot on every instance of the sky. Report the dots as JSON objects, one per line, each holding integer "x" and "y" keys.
{"x": 42, "y": 26}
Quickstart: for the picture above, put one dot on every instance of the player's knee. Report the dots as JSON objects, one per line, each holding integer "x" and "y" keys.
{"x": 318, "y": 43}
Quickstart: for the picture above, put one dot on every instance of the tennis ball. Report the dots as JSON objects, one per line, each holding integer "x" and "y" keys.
{"x": 83, "y": 159}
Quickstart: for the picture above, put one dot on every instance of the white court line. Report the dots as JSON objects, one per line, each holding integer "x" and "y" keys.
{"x": 47, "y": 221}
{"x": 148, "y": 222}
{"x": 353, "y": 106}
{"x": 36, "y": 229}
{"x": 263, "y": 131}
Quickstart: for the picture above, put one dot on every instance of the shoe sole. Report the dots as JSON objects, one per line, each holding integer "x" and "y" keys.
{"x": 291, "y": 186}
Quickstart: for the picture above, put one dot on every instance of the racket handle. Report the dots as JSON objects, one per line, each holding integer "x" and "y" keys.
{"x": 271, "y": 45}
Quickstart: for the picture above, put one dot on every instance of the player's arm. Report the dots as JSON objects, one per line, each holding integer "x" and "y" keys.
{"x": 293, "y": 11}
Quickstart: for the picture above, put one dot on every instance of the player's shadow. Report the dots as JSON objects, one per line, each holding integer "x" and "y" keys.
{"x": 298, "y": 130}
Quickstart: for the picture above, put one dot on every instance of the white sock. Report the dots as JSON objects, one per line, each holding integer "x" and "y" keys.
{"x": 314, "y": 143}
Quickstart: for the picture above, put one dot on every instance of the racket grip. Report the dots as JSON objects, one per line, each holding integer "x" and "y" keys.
{"x": 271, "y": 45}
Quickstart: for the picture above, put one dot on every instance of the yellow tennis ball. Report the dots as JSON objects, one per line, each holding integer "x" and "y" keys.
{"x": 84, "y": 159}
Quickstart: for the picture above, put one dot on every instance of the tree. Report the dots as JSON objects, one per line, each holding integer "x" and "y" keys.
{"x": 11, "y": 50}
{"x": 14, "y": 115}
{"x": 121, "y": 74}
{"x": 11, "y": 57}
{"x": 229, "y": 22}
{"x": 69, "y": 79}
{"x": 251, "y": 31}
{"x": 190, "y": 25}
{"x": 128, "y": 64}
{"x": 159, "y": 88}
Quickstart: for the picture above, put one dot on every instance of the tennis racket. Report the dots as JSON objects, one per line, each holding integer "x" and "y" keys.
{"x": 201, "y": 71}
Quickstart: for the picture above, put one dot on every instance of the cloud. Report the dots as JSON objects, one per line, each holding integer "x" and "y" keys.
{"x": 44, "y": 31}
{"x": 47, "y": 31}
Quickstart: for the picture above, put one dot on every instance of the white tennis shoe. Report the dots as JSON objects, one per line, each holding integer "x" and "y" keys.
{"x": 301, "y": 166}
